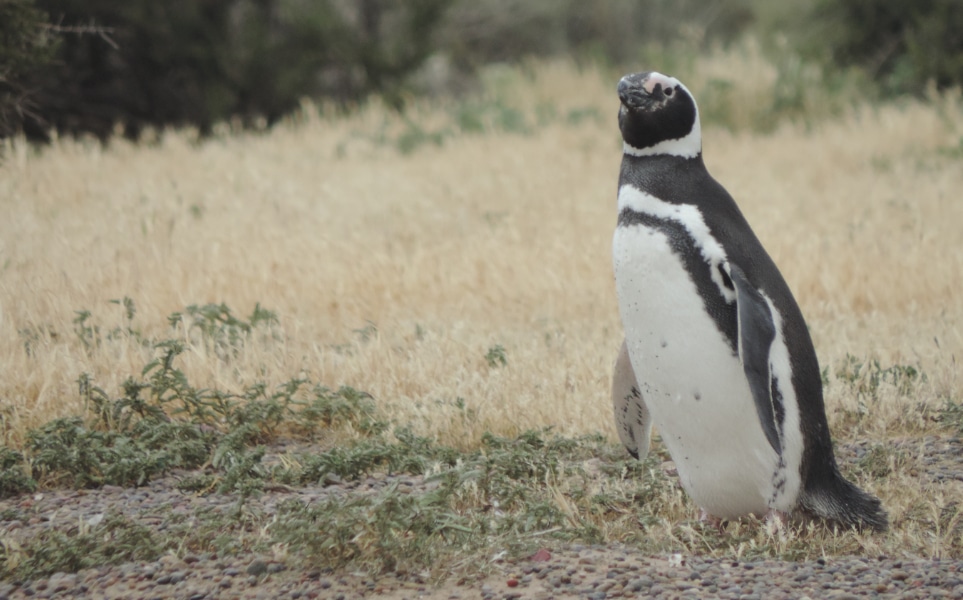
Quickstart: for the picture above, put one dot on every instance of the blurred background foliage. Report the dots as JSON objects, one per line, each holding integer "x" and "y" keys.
{"x": 101, "y": 66}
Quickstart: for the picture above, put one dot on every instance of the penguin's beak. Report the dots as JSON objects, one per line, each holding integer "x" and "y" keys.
{"x": 632, "y": 91}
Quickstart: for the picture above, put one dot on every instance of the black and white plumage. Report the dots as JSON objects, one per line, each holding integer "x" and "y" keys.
{"x": 716, "y": 354}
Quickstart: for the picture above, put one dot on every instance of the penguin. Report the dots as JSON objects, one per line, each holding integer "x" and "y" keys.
{"x": 717, "y": 354}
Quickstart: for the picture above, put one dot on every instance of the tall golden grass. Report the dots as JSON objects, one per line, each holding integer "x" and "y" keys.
{"x": 396, "y": 273}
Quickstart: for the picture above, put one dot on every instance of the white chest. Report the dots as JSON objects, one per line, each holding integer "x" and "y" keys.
{"x": 690, "y": 379}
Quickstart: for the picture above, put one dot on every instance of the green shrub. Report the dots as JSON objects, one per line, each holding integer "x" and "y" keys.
{"x": 13, "y": 474}
{"x": 25, "y": 46}
{"x": 141, "y": 63}
{"x": 902, "y": 45}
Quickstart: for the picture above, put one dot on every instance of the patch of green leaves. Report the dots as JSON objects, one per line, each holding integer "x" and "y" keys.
{"x": 880, "y": 461}
{"x": 91, "y": 335}
{"x": 160, "y": 421}
{"x": 13, "y": 474}
{"x": 866, "y": 378}
{"x": 473, "y": 500}
{"x": 496, "y": 357}
{"x": 407, "y": 453}
{"x": 67, "y": 452}
{"x": 953, "y": 151}
{"x": 386, "y": 532}
{"x": 218, "y": 328}
{"x": 113, "y": 541}
{"x": 951, "y": 415}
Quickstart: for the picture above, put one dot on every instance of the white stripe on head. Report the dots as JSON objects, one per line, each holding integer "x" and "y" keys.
{"x": 658, "y": 78}
{"x": 691, "y": 219}
{"x": 689, "y": 146}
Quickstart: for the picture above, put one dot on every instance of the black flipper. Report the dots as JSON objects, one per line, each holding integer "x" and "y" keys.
{"x": 757, "y": 331}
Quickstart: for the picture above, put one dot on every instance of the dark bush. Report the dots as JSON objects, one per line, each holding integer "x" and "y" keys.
{"x": 143, "y": 63}
{"x": 26, "y": 45}
{"x": 901, "y": 44}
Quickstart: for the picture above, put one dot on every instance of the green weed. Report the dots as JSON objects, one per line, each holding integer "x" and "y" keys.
{"x": 880, "y": 461}
{"x": 414, "y": 136}
{"x": 13, "y": 474}
{"x": 67, "y": 452}
{"x": 473, "y": 500}
{"x": 218, "y": 328}
{"x": 496, "y": 357}
{"x": 951, "y": 415}
{"x": 866, "y": 378}
{"x": 88, "y": 334}
{"x": 953, "y": 151}
{"x": 113, "y": 541}
{"x": 386, "y": 532}
{"x": 160, "y": 421}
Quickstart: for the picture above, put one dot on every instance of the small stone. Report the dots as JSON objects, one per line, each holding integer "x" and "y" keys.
{"x": 60, "y": 582}
{"x": 541, "y": 556}
{"x": 257, "y": 567}
{"x": 639, "y": 584}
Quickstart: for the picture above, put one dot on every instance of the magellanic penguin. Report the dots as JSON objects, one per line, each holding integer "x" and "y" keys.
{"x": 716, "y": 351}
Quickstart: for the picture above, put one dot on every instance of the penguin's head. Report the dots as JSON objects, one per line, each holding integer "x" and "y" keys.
{"x": 658, "y": 116}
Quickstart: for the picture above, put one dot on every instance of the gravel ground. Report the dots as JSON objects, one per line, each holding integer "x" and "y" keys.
{"x": 570, "y": 571}
{"x": 596, "y": 573}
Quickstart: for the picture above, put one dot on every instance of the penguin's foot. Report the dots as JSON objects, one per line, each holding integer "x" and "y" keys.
{"x": 714, "y": 522}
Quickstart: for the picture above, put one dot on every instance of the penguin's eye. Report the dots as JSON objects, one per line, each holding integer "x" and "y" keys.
{"x": 668, "y": 91}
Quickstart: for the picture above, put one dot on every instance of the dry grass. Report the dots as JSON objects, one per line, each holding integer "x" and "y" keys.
{"x": 396, "y": 273}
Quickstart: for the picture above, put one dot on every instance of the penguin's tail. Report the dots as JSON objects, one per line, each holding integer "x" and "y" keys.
{"x": 844, "y": 503}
